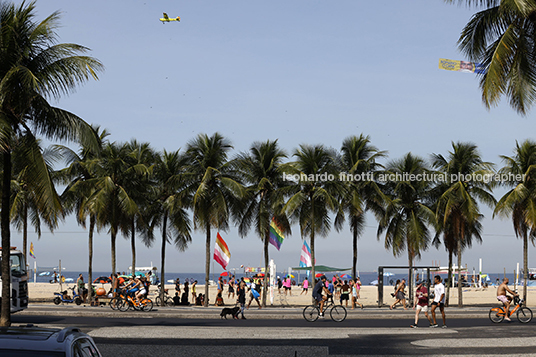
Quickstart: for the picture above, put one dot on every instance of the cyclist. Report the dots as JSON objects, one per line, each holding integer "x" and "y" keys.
{"x": 505, "y": 299}
{"x": 317, "y": 293}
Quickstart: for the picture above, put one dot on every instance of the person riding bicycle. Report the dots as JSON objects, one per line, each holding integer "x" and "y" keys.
{"x": 317, "y": 293}
{"x": 505, "y": 299}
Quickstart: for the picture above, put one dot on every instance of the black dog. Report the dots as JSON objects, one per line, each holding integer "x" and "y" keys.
{"x": 228, "y": 311}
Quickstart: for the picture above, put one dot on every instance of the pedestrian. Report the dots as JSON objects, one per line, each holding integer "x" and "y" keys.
{"x": 355, "y": 293}
{"x": 439, "y": 300}
{"x": 231, "y": 287}
{"x": 345, "y": 292}
{"x": 421, "y": 303}
{"x": 185, "y": 294}
{"x": 194, "y": 295}
{"x": 220, "y": 286}
{"x": 305, "y": 286}
{"x": 178, "y": 285}
{"x": 400, "y": 295}
{"x": 254, "y": 293}
{"x": 279, "y": 284}
{"x": 82, "y": 291}
{"x": 241, "y": 293}
{"x": 331, "y": 289}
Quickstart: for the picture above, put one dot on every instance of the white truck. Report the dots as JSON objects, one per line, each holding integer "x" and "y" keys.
{"x": 19, "y": 280}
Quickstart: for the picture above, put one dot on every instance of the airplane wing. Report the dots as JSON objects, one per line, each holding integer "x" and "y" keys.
{"x": 166, "y": 16}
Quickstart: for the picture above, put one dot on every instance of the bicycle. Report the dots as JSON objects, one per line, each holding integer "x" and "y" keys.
{"x": 524, "y": 314}
{"x": 168, "y": 301}
{"x": 126, "y": 301}
{"x": 336, "y": 312}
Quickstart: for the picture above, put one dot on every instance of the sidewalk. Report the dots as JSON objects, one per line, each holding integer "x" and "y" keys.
{"x": 213, "y": 312}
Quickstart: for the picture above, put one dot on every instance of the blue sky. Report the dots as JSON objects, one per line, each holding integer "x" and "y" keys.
{"x": 298, "y": 71}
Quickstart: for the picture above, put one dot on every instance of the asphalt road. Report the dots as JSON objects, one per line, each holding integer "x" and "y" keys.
{"x": 364, "y": 333}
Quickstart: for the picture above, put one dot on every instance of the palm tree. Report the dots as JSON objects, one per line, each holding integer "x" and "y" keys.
{"x": 457, "y": 207}
{"x": 34, "y": 67}
{"x": 316, "y": 193}
{"x": 80, "y": 178}
{"x": 519, "y": 202}
{"x": 262, "y": 170}
{"x": 112, "y": 201}
{"x": 170, "y": 204}
{"x": 140, "y": 159}
{"x": 216, "y": 189}
{"x": 501, "y": 38}
{"x": 407, "y": 216}
{"x": 359, "y": 165}
{"x": 25, "y": 207}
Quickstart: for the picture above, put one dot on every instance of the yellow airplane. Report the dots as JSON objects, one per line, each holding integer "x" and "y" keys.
{"x": 168, "y": 19}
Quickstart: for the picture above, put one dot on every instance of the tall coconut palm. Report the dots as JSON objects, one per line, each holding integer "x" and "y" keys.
{"x": 457, "y": 207}
{"x": 262, "y": 171}
{"x": 519, "y": 202}
{"x": 501, "y": 38}
{"x": 171, "y": 202}
{"x": 79, "y": 177}
{"x": 35, "y": 67}
{"x": 216, "y": 189}
{"x": 407, "y": 216}
{"x": 358, "y": 167}
{"x": 112, "y": 201}
{"x": 25, "y": 208}
{"x": 316, "y": 193}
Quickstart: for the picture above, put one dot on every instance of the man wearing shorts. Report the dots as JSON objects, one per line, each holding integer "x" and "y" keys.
{"x": 505, "y": 299}
{"x": 317, "y": 293}
{"x": 439, "y": 300}
{"x": 421, "y": 303}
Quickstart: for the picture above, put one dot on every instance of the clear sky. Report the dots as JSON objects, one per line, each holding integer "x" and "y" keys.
{"x": 300, "y": 71}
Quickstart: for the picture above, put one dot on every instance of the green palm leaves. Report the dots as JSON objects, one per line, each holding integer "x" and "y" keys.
{"x": 501, "y": 37}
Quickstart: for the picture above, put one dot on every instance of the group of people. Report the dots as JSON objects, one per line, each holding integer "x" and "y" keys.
{"x": 341, "y": 290}
{"x": 183, "y": 299}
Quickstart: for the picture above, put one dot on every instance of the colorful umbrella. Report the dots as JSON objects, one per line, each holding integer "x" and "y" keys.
{"x": 290, "y": 276}
{"x": 346, "y": 276}
{"x": 225, "y": 273}
{"x": 318, "y": 275}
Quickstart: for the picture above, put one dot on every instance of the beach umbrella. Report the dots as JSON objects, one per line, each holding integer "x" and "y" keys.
{"x": 290, "y": 276}
{"x": 318, "y": 275}
{"x": 225, "y": 273}
{"x": 102, "y": 280}
{"x": 346, "y": 276}
{"x": 260, "y": 274}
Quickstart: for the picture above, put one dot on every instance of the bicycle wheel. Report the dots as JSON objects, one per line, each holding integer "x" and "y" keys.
{"x": 310, "y": 313}
{"x": 496, "y": 314}
{"x": 169, "y": 301}
{"x": 524, "y": 315}
{"x": 157, "y": 301}
{"x": 115, "y": 303}
{"x": 146, "y": 305}
{"x": 338, "y": 313}
{"x": 124, "y": 306}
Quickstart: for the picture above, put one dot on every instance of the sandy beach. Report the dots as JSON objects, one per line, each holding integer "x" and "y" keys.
{"x": 44, "y": 293}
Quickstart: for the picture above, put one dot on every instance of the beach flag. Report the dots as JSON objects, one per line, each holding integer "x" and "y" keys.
{"x": 276, "y": 235}
{"x": 221, "y": 252}
{"x": 305, "y": 257}
{"x": 31, "y": 251}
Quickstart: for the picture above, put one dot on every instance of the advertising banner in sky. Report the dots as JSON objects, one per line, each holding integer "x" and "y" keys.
{"x": 461, "y": 66}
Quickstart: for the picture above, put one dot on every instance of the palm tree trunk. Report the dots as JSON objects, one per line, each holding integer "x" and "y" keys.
{"x": 25, "y": 233}
{"x": 410, "y": 277}
{"x": 113, "y": 250}
{"x": 90, "y": 263}
{"x": 460, "y": 296}
{"x": 207, "y": 264}
{"x": 266, "y": 257}
{"x": 449, "y": 279}
{"x": 5, "y": 307}
{"x": 525, "y": 267}
{"x": 133, "y": 245}
{"x": 354, "y": 258}
{"x": 163, "y": 257}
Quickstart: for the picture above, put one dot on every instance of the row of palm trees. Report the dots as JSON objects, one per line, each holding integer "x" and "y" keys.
{"x": 129, "y": 188}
